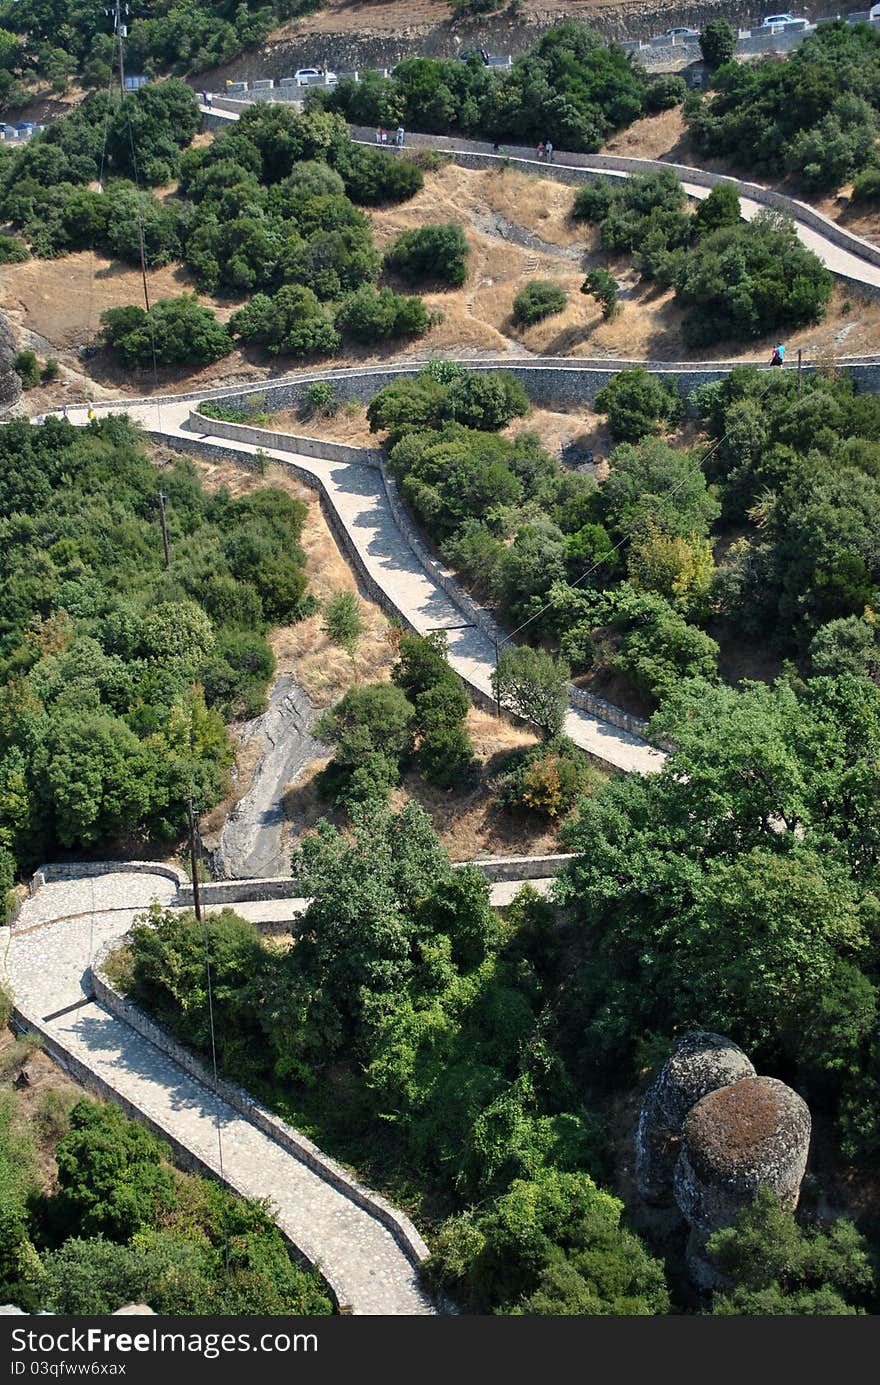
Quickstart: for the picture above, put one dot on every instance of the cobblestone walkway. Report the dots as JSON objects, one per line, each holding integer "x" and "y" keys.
{"x": 57, "y": 933}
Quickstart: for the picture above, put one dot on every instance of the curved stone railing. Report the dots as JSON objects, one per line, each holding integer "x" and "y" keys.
{"x": 268, "y": 437}
{"x": 284, "y": 1135}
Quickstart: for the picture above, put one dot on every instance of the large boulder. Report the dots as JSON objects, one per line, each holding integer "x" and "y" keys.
{"x": 10, "y": 385}
{"x": 702, "y": 1063}
{"x": 749, "y": 1134}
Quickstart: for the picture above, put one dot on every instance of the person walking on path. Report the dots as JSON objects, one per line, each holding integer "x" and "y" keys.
{"x": 540, "y": 150}
{"x": 548, "y": 151}
{"x": 378, "y": 135}
{"x": 399, "y": 137}
{"x": 91, "y": 414}
{"x": 496, "y": 148}
{"x": 778, "y": 357}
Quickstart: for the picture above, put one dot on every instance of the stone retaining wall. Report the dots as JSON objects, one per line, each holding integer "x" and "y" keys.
{"x": 496, "y": 869}
{"x": 184, "y": 1157}
{"x": 285, "y": 442}
{"x": 74, "y": 870}
{"x": 289, "y": 1139}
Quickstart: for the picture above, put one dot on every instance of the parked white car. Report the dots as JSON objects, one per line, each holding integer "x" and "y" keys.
{"x": 682, "y": 33}
{"x": 874, "y": 12}
{"x": 784, "y": 21}
{"x": 302, "y": 75}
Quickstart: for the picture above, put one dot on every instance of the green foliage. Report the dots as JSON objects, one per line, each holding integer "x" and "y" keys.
{"x": 866, "y": 187}
{"x": 775, "y": 1266}
{"x": 176, "y": 331}
{"x": 291, "y": 323}
{"x": 603, "y": 286}
{"x": 718, "y": 40}
{"x": 183, "y": 38}
{"x": 322, "y": 396}
{"x": 370, "y": 315}
{"x": 546, "y": 780}
{"x": 12, "y": 250}
{"x": 423, "y": 673}
{"x": 572, "y": 87}
{"x": 848, "y": 645}
{"x": 744, "y": 281}
{"x": 430, "y": 254}
{"x": 638, "y": 404}
{"x": 372, "y": 730}
{"x": 100, "y": 728}
{"x": 27, "y": 368}
{"x": 720, "y": 208}
{"x": 343, "y": 622}
{"x": 665, "y": 92}
{"x": 553, "y": 1245}
{"x": 113, "y": 1176}
{"x": 814, "y": 114}
{"x": 538, "y": 299}
{"x": 534, "y": 686}
{"x": 725, "y": 890}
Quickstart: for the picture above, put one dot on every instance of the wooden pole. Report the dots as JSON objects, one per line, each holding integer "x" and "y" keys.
{"x": 194, "y": 862}
{"x": 800, "y": 368}
{"x": 165, "y": 542}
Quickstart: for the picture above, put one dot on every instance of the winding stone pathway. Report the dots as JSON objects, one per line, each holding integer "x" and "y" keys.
{"x": 58, "y": 932}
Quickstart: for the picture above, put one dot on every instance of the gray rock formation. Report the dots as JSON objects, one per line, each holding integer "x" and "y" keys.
{"x": 10, "y": 385}
{"x": 751, "y": 1133}
{"x": 702, "y": 1062}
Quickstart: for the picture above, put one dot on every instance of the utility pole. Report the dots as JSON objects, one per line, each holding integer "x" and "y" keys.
{"x": 194, "y": 861}
{"x": 162, "y": 499}
{"x": 120, "y": 29}
{"x": 497, "y": 684}
{"x": 800, "y": 368}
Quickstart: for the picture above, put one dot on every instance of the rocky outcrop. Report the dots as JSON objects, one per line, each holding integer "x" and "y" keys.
{"x": 751, "y": 1134}
{"x": 701, "y": 1063}
{"x": 10, "y": 385}
{"x": 711, "y": 1133}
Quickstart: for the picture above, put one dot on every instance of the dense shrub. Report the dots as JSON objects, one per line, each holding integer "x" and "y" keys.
{"x": 377, "y": 315}
{"x": 744, "y": 281}
{"x": 638, "y": 404}
{"x": 176, "y": 331}
{"x": 539, "y": 298}
{"x": 431, "y": 254}
{"x": 290, "y": 323}
{"x": 665, "y": 92}
{"x": 546, "y": 780}
{"x": 718, "y": 40}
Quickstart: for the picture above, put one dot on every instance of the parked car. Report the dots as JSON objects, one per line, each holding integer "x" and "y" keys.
{"x": 874, "y": 12}
{"x": 682, "y": 33}
{"x": 302, "y": 74}
{"x": 784, "y": 21}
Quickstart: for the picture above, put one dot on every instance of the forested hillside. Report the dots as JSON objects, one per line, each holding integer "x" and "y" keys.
{"x": 117, "y": 672}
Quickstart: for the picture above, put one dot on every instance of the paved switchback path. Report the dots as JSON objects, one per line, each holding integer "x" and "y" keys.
{"x": 56, "y": 935}
{"x": 358, "y": 497}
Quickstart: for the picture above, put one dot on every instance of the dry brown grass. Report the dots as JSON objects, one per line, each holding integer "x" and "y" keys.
{"x": 349, "y": 425}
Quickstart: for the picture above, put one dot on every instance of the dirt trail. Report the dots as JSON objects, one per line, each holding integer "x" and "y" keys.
{"x": 253, "y": 839}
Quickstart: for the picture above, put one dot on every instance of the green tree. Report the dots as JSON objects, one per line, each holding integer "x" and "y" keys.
{"x": 434, "y": 253}
{"x": 603, "y": 287}
{"x": 720, "y": 208}
{"x": 343, "y": 622}
{"x": 176, "y": 331}
{"x": 551, "y": 1245}
{"x": 776, "y": 1266}
{"x": 538, "y": 299}
{"x": 534, "y": 686}
{"x": 638, "y": 404}
{"x": 718, "y": 40}
{"x": 113, "y": 1177}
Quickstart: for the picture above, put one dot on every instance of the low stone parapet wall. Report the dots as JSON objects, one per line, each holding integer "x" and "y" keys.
{"x": 284, "y": 1135}
{"x": 283, "y": 442}
{"x": 496, "y": 869}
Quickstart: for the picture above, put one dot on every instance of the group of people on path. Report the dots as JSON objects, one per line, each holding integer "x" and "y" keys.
{"x": 383, "y": 137}
{"x": 545, "y": 150}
